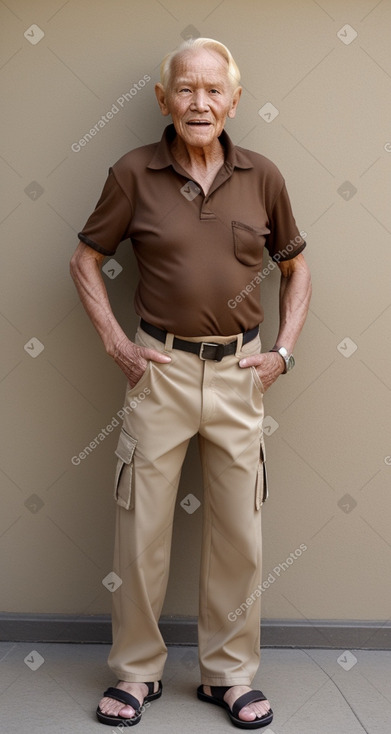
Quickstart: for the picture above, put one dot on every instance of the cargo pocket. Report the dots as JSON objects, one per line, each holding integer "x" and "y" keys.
{"x": 249, "y": 242}
{"x": 123, "y": 483}
{"x": 261, "y": 489}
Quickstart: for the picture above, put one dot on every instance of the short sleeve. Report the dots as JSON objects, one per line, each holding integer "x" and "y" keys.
{"x": 109, "y": 223}
{"x": 285, "y": 240}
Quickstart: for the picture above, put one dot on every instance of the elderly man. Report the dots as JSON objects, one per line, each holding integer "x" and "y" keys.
{"x": 199, "y": 212}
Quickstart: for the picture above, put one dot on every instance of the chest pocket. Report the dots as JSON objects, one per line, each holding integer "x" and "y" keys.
{"x": 249, "y": 242}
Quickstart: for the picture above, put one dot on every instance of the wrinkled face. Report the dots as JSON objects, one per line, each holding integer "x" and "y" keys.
{"x": 200, "y": 96}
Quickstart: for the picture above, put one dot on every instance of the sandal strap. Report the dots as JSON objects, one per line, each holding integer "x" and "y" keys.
{"x": 123, "y": 697}
{"x": 151, "y": 687}
{"x": 246, "y": 699}
{"x": 219, "y": 691}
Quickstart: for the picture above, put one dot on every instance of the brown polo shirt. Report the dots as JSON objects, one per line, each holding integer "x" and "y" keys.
{"x": 199, "y": 257}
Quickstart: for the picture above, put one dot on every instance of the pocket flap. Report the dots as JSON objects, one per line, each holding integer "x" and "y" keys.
{"x": 264, "y": 472}
{"x": 126, "y": 447}
{"x": 249, "y": 242}
{"x": 261, "y": 489}
{"x": 123, "y": 481}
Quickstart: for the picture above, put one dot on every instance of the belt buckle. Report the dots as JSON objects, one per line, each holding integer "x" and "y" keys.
{"x": 220, "y": 353}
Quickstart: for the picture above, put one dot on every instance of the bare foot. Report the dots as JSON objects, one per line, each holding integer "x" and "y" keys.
{"x": 111, "y": 707}
{"x": 247, "y": 713}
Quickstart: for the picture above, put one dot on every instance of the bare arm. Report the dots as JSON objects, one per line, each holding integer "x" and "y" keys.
{"x": 295, "y": 295}
{"x": 85, "y": 269}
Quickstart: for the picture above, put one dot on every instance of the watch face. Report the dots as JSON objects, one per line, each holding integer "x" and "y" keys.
{"x": 288, "y": 358}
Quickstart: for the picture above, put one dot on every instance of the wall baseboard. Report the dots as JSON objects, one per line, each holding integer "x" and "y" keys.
{"x": 71, "y": 628}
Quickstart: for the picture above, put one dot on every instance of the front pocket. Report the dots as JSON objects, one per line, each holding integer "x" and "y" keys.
{"x": 257, "y": 379}
{"x": 141, "y": 382}
{"x": 123, "y": 482}
{"x": 249, "y": 242}
{"x": 261, "y": 487}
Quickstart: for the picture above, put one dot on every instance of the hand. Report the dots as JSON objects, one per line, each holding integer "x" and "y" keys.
{"x": 268, "y": 365}
{"x": 133, "y": 360}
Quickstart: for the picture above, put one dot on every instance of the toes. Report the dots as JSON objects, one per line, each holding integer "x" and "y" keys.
{"x": 246, "y": 714}
{"x": 126, "y": 712}
{"x": 254, "y": 711}
{"x": 114, "y": 708}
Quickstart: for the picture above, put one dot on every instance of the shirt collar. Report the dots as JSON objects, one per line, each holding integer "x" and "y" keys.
{"x": 162, "y": 158}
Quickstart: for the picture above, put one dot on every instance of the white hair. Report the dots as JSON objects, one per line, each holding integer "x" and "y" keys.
{"x": 196, "y": 43}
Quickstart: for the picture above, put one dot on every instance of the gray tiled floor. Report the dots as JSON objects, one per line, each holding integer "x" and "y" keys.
{"x": 310, "y": 692}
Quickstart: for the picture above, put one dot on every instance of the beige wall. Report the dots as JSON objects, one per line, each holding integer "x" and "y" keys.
{"x": 328, "y": 422}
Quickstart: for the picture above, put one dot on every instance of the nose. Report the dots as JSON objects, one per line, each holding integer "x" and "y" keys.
{"x": 200, "y": 100}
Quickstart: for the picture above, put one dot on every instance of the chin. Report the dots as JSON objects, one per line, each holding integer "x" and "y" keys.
{"x": 201, "y": 138}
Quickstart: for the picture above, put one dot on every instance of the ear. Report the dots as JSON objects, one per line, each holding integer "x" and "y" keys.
{"x": 235, "y": 101}
{"x": 162, "y": 99}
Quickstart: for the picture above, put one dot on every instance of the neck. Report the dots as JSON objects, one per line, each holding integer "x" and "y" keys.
{"x": 195, "y": 158}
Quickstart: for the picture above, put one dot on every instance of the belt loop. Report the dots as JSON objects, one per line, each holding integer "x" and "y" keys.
{"x": 239, "y": 345}
{"x": 169, "y": 341}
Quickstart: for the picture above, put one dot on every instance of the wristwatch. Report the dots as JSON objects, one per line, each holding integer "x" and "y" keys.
{"x": 288, "y": 358}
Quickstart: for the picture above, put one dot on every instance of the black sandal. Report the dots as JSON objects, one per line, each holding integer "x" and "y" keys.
{"x": 217, "y": 697}
{"x": 128, "y": 700}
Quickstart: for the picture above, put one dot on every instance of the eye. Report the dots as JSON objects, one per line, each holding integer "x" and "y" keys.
{"x": 184, "y": 89}
{"x": 214, "y": 91}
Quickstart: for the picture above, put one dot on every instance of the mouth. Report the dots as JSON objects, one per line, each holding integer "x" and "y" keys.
{"x": 199, "y": 123}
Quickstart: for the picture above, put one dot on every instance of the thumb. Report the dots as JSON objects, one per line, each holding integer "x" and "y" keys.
{"x": 155, "y": 356}
{"x": 251, "y": 361}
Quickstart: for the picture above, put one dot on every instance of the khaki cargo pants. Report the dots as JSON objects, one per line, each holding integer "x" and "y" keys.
{"x": 223, "y": 404}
